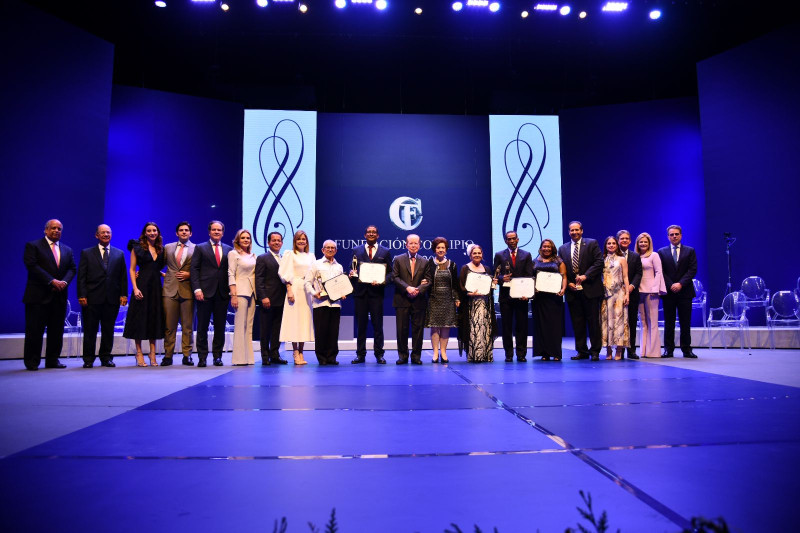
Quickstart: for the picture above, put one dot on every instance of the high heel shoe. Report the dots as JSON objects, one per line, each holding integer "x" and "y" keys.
{"x": 435, "y": 361}
{"x": 302, "y": 359}
{"x": 153, "y": 361}
{"x": 296, "y": 357}
{"x": 445, "y": 360}
{"x": 140, "y": 359}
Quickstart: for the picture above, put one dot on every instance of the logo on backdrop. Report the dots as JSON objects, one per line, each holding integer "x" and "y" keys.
{"x": 406, "y": 212}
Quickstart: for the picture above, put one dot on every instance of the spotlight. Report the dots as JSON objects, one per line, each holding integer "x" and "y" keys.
{"x": 418, "y": 11}
{"x": 545, "y": 7}
{"x": 582, "y": 14}
{"x": 565, "y": 10}
{"x": 655, "y": 14}
{"x": 477, "y": 3}
{"x": 524, "y": 14}
{"x": 457, "y": 6}
{"x": 615, "y": 7}
{"x": 303, "y": 8}
{"x": 381, "y": 4}
{"x": 224, "y": 6}
{"x": 340, "y": 4}
{"x": 161, "y": 3}
{"x": 261, "y": 3}
{"x": 494, "y": 7}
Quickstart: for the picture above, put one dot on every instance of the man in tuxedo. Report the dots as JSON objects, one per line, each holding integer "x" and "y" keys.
{"x": 584, "y": 289}
{"x": 510, "y": 263}
{"x": 679, "y": 263}
{"x": 369, "y": 297}
{"x": 411, "y": 284}
{"x": 271, "y": 292}
{"x": 51, "y": 267}
{"x": 102, "y": 289}
{"x": 209, "y": 277}
{"x": 177, "y": 295}
{"x": 327, "y": 313}
{"x": 634, "y": 278}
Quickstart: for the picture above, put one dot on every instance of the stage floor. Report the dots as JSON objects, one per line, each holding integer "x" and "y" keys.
{"x": 403, "y": 448}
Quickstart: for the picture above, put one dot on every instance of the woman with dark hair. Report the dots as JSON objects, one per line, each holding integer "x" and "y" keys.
{"x": 145, "y": 319}
{"x": 614, "y": 307}
{"x": 548, "y": 308}
{"x": 478, "y": 323}
{"x": 441, "y": 313}
{"x": 242, "y": 284}
{"x": 297, "y": 326}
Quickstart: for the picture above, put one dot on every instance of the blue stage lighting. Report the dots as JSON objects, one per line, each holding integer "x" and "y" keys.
{"x": 303, "y": 8}
{"x": 381, "y": 4}
{"x": 524, "y": 14}
{"x": 161, "y": 3}
{"x": 224, "y": 7}
{"x": 494, "y": 7}
{"x": 477, "y": 3}
{"x": 457, "y": 6}
{"x": 565, "y": 10}
{"x": 582, "y": 14}
{"x": 340, "y": 4}
{"x": 615, "y": 6}
{"x": 655, "y": 14}
{"x": 418, "y": 11}
{"x": 261, "y": 3}
{"x": 545, "y": 7}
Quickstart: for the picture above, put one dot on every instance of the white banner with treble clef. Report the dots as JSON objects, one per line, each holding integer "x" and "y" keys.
{"x": 526, "y": 180}
{"x": 279, "y": 175}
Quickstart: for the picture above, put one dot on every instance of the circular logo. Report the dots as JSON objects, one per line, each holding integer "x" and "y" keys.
{"x": 406, "y": 212}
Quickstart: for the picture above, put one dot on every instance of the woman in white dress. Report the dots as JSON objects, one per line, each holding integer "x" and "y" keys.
{"x": 296, "y": 325}
{"x": 242, "y": 283}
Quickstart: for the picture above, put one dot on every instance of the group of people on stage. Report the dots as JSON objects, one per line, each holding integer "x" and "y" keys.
{"x": 170, "y": 281}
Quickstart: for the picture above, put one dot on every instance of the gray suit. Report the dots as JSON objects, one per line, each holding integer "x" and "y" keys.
{"x": 178, "y": 300}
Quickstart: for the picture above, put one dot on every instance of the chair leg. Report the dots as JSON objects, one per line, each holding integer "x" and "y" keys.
{"x": 708, "y": 336}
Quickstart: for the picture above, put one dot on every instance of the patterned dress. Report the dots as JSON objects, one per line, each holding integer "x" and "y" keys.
{"x": 441, "y": 311}
{"x": 613, "y": 311}
{"x": 480, "y": 312}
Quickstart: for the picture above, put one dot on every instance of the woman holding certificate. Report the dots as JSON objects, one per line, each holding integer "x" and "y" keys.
{"x": 614, "y": 307}
{"x": 441, "y": 313}
{"x": 650, "y": 288}
{"x": 242, "y": 283}
{"x": 548, "y": 307}
{"x": 296, "y": 326}
{"x": 478, "y": 323}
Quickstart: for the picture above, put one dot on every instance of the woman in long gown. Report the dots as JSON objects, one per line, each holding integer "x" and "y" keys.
{"x": 651, "y": 288}
{"x": 614, "y": 307}
{"x": 145, "y": 319}
{"x": 242, "y": 283}
{"x": 296, "y": 326}
{"x": 548, "y": 308}
{"x": 441, "y": 313}
{"x": 478, "y": 323}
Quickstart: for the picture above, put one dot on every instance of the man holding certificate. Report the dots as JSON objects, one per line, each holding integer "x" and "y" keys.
{"x": 411, "y": 285}
{"x": 327, "y": 313}
{"x": 508, "y": 264}
{"x": 370, "y": 262}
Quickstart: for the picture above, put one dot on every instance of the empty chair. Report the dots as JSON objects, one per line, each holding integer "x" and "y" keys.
{"x": 700, "y": 299}
{"x": 756, "y": 292}
{"x": 784, "y": 312}
{"x": 733, "y": 315}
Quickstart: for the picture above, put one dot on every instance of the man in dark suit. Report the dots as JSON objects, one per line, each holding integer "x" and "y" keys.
{"x": 209, "y": 276}
{"x": 369, "y": 297}
{"x": 102, "y": 289}
{"x": 411, "y": 285}
{"x": 177, "y": 295}
{"x": 51, "y": 267}
{"x": 513, "y": 263}
{"x": 271, "y": 292}
{"x": 634, "y": 279}
{"x": 584, "y": 289}
{"x": 679, "y": 263}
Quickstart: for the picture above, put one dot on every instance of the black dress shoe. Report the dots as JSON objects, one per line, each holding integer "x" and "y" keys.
{"x": 595, "y": 357}
{"x": 380, "y": 360}
{"x": 333, "y": 362}
{"x": 278, "y": 361}
{"x": 402, "y": 362}
{"x": 522, "y": 359}
{"x": 266, "y": 362}
{"x": 509, "y": 359}
{"x": 357, "y": 361}
{"x": 201, "y": 363}
{"x": 57, "y": 364}
{"x": 690, "y": 355}
{"x": 416, "y": 362}
{"x": 166, "y": 361}
{"x": 88, "y": 365}
{"x": 633, "y": 356}
{"x": 32, "y": 368}
{"x": 108, "y": 364}
{"x": 187, "y": 361}
{"x": 579, "y": 356}
{"x": 666, "y": 355}
{"x": 218, "y": 361}
{"x": 323, "y": 363}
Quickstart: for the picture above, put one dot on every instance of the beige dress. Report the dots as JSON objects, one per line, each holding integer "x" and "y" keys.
{"x": 613, "y": 310}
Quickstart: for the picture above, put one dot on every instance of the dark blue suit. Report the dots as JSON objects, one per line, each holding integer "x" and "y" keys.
{"x": 679, "y": 303}
{"x": 213, "y": 281}
{"x": 269, "y": 285}
{"x": 513, "y": 311}
{"x": 635, "y": 278}
{"x": 584, "y": 305}
{"x": 45, "y": 307}
{"x": 369, "y": 300}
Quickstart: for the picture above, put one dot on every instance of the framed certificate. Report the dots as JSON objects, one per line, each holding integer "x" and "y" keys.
{"x": 369, "y": 272}
{"x": 338, "y": 287}
{"x": 480, "y": 283}
{"x": 548, "y": 282}
{"x": 522, "y": 288}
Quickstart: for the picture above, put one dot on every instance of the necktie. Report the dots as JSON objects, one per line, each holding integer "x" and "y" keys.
{"x": 370, "y": 252}
{"x": 575, "y": 254}
{"x": 105, "y": 257}
{"x": 55, "y": 254}
{"x": 514, "y": 259}
{"x": 216, "y": 253}
{"x": 675, "y": 254}
{"x": 413, "y": 263}
{"x": 180, "y": 253}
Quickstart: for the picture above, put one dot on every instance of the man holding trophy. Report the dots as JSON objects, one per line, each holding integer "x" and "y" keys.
{"x": 508, "y": 264}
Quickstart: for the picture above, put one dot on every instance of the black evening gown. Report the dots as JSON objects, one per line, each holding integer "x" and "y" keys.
{"x": 548, "y": 311}
{"x": 145, "y": 318}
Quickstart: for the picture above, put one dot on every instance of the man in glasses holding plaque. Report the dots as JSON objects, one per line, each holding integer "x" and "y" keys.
{"x": 368, "y": 260}
{"x": 508, "y": 264}
{"x": 584, "y": 289}
{"x": 327, "y": 313}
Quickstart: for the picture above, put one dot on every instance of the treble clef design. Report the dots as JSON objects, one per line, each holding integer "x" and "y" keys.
{"x": 524, "y": 184}
{"x": 279, "y": 182}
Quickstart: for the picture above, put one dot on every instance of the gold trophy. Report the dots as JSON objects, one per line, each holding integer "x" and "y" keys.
{"x": 320, "y": 286}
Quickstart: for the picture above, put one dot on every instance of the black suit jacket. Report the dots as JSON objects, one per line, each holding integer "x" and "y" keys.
{"x": 367, "y": 290}
{"x": 206, "y": 275}
{"x": 682, "y": 273}
{"x": 97, "y": 284}
{"x": 401, "y": 275}
{"x": 523, "y": 268}
{"x": 634, "y": 270}
{"x": 590, "y": 264}
{"x": 42, "y": 269}
{"x": 268, "y": 283}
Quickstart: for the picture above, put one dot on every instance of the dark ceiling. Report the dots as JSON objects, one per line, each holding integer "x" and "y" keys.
{"x": 362, "y": 60}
